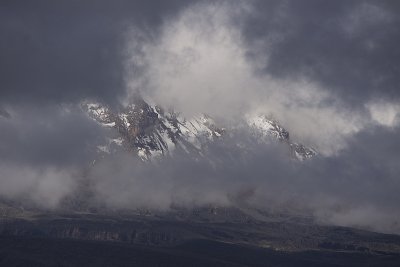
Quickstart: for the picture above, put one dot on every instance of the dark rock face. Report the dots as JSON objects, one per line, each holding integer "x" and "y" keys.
{"x": 169, "y": 230}
{"x": 302, "y": 152}
{"x": 214, "y": 236}
{"x": 150, "y": 132}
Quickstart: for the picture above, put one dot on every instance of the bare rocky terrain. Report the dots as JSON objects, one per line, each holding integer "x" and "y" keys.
{"x": 208, "y": 236}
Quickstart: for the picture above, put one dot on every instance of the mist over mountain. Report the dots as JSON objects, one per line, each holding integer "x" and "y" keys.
{"x": 284, "y": 106}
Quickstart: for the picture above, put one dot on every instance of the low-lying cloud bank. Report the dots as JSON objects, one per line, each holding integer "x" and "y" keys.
{"x": 328, "y": 72}
{"x": 355, "y": 188}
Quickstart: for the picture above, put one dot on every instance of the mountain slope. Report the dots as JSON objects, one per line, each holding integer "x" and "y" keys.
{"x": 151, "y": 132}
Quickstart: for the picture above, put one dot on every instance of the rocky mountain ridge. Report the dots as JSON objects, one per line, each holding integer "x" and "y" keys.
{"x": 152, "y": 132}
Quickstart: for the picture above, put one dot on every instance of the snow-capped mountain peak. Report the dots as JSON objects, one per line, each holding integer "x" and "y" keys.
{"x": 150, "y": 132}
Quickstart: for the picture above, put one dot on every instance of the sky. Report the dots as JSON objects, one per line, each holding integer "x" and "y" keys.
{"x": 328, "y": 71}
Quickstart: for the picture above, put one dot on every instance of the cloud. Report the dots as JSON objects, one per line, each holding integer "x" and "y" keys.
{"x": 325, "y": 71}
{"x": 44, "y": 152}
{"x": 357, "y": 188}
{"x": 4, "y": 113}
{"x": 53, "y": 134}
{"x": 328, "y": 72}
{"x": 43, "y": 187}
{"x": 348, "y": 47}
{"x": 200, "y": 63}
{"x": 384, "y": 113}
{"x": 66, "y": 51}
{"x": 364, "y": 16}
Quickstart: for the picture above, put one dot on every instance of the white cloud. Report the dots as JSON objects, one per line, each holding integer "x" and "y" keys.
{"x": 384, "y": 113}
{"x": 199, "y": 64}
{"x": 45, "y": 186}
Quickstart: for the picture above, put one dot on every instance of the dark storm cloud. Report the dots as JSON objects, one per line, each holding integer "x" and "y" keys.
{"x": 350, "y": 47}
{"x": 4, "y": 113}
{"x": 67, "y": 50}
{"x": 51, "y": 135}
{"x": 44, "y": 151}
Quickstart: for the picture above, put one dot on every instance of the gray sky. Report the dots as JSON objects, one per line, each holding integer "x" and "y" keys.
{"x": 329, "y": 71}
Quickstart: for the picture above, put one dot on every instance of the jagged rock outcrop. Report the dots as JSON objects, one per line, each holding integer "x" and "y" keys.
{"x": 151, "y": 132}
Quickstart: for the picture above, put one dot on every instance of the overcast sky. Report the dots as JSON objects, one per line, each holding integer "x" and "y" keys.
{"x": 328, "y": 71}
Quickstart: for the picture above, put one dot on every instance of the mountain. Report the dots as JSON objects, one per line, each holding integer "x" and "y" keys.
{"x": 81, "y": 234}
{"x": 150, "y": 131}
